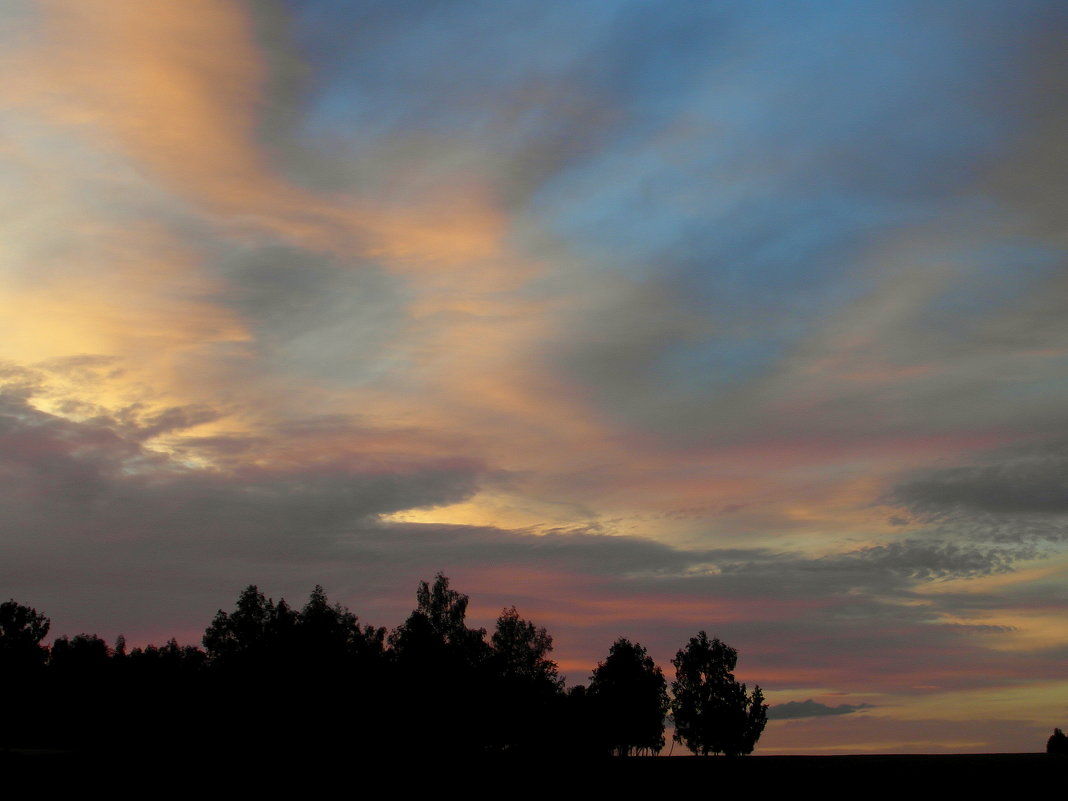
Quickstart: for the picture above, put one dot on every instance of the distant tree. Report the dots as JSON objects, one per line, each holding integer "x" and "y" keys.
{"x": 579, "y": 734}
{"x": 325, "y": 631}
{"x": 21, "y": 632}
{"x": 258, "y": 634}
{"x": 84, "y": 654}
{"x": 437, "y": 629}
{"x": 438, "y": 681}
{"x": 1057, "y": 743}
{"x": 523, "y": 688}
{"x": 332, "y": 634}
{"x": 248, "y": 652}
{"x": 520, "y": 651}
{"x": 629, "y": 698}
{"x": 713, "y": 713}
{"x": 81, "y": 684}
{"x": 174, "y": 681}
{"x": 167, "y": 661}
{"x": 22, "y": 660}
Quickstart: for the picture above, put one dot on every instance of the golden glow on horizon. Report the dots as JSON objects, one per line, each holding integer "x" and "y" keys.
{"x": 917, "y": 746}
{"x": 1030, "y": 703}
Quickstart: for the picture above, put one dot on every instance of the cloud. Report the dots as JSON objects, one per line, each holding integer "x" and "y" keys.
{"x": 924, "y": 560}
{"x": 101, "y": 530}
{"x": 811, "y": 709}
{"x": 98, "y": 475}
{"x": 1022, "y": 480}
{"x": 315, "y": 316}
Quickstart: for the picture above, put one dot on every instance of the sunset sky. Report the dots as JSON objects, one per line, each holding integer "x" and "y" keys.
{"x": 749, "y": 317}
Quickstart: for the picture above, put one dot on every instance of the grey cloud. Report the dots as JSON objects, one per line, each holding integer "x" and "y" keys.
{"x": 517, "y": 124}
{"x": 1009, "y": 482}
{"x": 1013, "y": 497}
{"x": 314, "y": 315}
{"x": 885, "y": 567}
{"x": 811, "y": 709}
{"x": 134, "y": 422}
{"x": 141, "y": 427}
{"x": 94, "y": 522}
{"x": 916, "y": 559}
{"x": 99, "y": 530}
{"x": 103, "y": 480}
{"x": 1033, "y": 181}
{"x": 981, "y": 629}
{"x": 593, "y": 554}
{"x": 616, "y": 343}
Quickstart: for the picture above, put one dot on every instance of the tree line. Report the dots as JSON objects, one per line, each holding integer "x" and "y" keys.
{"x": 316, "y": 680}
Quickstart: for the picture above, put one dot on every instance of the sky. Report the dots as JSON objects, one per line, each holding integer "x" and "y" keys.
{"x": 647, "y": 318}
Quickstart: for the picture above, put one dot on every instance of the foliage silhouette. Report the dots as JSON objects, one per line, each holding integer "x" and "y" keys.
{"x": 246, "y": 633}
{"x": 1057, "y": 743}
{"x": 435, "y": 684}
{"x": 629, "y": 699}
{"x": 329, "y": 635}
{"x": 313, "y": 670}
{"x": 437, "y": 625}
{"x": 520, "y": 651}
{"x": 22, "y": 662}
{"x": 21, "y": 632}
{"x": 440, "y": 671}
{"x": 713, "y": 713}
{"x": 524, "y": 688}
{"x": 84, "y": 654}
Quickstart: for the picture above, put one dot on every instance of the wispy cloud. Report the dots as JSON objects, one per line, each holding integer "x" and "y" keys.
{"x": 811, "y": 709}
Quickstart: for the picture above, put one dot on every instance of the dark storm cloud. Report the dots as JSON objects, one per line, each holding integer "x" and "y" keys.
{"x": 811, "y": 709}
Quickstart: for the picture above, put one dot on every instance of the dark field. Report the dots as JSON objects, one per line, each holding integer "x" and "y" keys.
{"x": 274, "y": 770}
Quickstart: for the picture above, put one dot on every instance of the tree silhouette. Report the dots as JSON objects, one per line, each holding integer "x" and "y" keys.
{"x": 83, "y": 655}
{"x": 231, "y": 635}
{"x": 326, "y": 633}
{"x": 81, "y": 687}
{"x": 1057, "y": 743}
{"x": 21, "y": 632}
{"x": 22, "y": 659}
{"x": 713, "y": 712}
{"x": 520, "y": 651}
{"x": 437, "y": 630}
{"x": 524, "y": 688}
{"x": 629, "y": 698}
{"x": 439, "y": 671}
